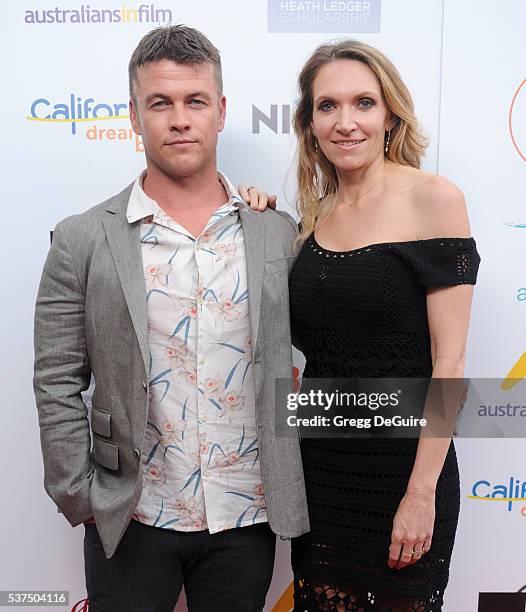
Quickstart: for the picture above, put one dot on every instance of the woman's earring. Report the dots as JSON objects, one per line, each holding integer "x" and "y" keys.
{"x": 315, "y": 144}
{"x": 387, "y": 141}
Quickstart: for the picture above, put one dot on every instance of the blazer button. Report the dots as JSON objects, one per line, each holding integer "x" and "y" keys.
{"x": 137, "y": 453}
{"x": 257, "y": 361}
{"x": 144, "y": 385}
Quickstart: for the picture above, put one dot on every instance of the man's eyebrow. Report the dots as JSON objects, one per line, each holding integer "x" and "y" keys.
{"x": 199, "y": 94}
{"x": 163, "y": 96}
{"x": 151, "y": 96}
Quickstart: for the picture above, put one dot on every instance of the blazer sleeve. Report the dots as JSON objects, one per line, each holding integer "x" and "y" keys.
{"x": 61, "y": 372}
{"x": 295, "y": 229}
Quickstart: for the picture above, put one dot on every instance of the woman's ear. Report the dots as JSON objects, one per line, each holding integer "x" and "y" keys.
{"x": 392, "y": 123}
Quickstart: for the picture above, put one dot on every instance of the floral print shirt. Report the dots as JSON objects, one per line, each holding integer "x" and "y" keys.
{"x": 200, "y": 459}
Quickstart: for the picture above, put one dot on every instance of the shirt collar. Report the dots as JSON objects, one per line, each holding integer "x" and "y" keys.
{"x": 140, "y": 205}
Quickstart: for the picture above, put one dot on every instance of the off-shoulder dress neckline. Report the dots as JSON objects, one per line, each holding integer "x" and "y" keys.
{"x": 441, "y": 241}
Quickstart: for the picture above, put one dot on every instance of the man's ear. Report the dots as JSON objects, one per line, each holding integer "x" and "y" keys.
{"x": 134, "y": 117}
{"x": 222, "y": 114}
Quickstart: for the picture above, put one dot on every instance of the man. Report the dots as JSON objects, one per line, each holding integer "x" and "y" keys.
{"x": 173, "y": 294}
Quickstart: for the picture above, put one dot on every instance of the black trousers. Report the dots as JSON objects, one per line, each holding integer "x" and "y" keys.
{"x": 229, "y": 571}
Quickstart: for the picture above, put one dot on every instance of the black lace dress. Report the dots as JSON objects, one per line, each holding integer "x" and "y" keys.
{"x": 362, "y": 313}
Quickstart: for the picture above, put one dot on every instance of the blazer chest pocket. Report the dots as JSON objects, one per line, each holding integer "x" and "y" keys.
{"x": 279, "y": 265}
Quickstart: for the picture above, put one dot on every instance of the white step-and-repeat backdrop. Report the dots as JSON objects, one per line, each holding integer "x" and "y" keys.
{"x": 69, "y": 145}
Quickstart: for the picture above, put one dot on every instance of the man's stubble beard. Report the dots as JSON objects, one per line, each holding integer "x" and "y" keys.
{"x": 179, "y": 169}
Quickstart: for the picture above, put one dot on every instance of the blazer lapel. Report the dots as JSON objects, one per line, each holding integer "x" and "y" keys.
{"x": 254, "y": 233}
{"x": 124, "y": 241}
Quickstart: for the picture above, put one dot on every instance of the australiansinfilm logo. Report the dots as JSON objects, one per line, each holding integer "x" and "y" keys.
{"x": 323, "y": 15}
{"x": 86, "y": 14}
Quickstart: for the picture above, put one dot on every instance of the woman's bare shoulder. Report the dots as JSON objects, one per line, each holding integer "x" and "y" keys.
{"x": 438, "y": 206}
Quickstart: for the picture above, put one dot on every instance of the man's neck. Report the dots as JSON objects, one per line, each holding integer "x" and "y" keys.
{"x": 189, "y": 200}
{"x": 199, "y": 193}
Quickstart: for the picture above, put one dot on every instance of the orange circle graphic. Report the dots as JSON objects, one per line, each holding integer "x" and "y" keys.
{"x": 510, "y": 124}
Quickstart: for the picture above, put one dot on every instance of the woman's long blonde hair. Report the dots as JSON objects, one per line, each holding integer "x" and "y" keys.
{"x": 316, "y": 175}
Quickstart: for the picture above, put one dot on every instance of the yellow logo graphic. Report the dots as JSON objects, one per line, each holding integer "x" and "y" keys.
{"x": 286, "y": 602}
{"x": 516, "y": 374}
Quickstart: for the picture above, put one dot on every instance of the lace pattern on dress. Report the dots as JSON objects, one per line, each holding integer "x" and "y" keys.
{"x": 311, "y": 596}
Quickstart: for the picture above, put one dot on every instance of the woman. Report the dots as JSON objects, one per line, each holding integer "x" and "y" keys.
{"x": 382, "y": 287}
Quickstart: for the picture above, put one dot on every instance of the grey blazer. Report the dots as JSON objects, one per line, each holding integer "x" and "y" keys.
{"x": 91, "y": 317}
